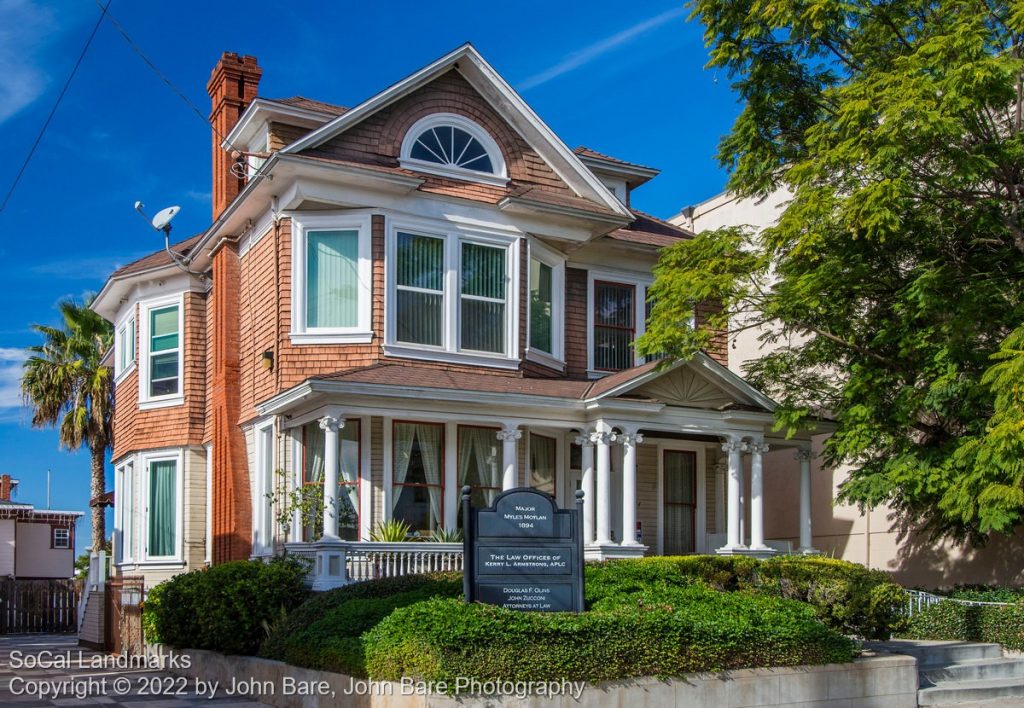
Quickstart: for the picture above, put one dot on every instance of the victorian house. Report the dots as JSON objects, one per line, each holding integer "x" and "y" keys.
{"x": 393, "y": 300}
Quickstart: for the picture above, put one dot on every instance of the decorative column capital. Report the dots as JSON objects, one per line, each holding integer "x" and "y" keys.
{"x": 804, "y": 454}
{"x": 603, "y": 437}
{"x": 759, "y": 448}
{"x": 631, "y": 439}
{"x": 509, "y": 434}
{"x": 331, "y": 424}
{"x": 584, "y": 439}
{"x": 734, "y": 446}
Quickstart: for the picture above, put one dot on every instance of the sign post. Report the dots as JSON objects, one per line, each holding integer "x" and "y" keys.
{"x": 524, "y": 553}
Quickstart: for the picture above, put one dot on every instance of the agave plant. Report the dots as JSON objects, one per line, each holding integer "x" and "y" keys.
{"x": 394, "y": 531}
{"x": 443, "y": 535}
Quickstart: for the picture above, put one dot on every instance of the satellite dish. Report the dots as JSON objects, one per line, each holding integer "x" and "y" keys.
{"x": 162, "y": 220}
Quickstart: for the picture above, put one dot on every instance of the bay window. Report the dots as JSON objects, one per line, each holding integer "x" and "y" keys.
{"x": 160, "y": 376}
{"x": 331, "y": 276}
{"x": 162, "y": 511}
{"x": 546, "y": 295}
{"x": 314, "y": 439}
{"x": 418, "y": 477}
{"x": 480, "y": 464}
{"x": 450, "y": 296}
{"x": 124, "y": 345}
{"x": 125, "y": 510}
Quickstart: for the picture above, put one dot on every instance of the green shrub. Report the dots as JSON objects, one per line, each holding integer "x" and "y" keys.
{"x": 986, "y": 593}
{"x": 848, "y": 597}
{"x": 1003, "y": 624}
{"x": 324, "y": 633}
{"x": 665, "y": 630}
{"x": 224, "y": 608}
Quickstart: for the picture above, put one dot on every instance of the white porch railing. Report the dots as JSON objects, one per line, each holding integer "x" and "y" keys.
{"x": 371, "y": 560}
{"x": 919, "y": 601}
{"x": 99, "y": 571}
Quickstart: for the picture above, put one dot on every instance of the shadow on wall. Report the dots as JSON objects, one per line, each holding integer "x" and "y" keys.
{"x": 922, "y": 561}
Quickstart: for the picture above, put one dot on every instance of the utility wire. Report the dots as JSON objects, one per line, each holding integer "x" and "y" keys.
{"x": 56, "y": 104}
{"x": 163, "y": 77}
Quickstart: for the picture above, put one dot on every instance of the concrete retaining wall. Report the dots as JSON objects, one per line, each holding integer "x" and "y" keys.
{"x": 875, "y": 681}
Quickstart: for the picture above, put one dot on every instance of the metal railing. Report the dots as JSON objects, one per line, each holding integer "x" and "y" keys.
{"x": 919, "y": 601}
{"x": 372, "y": 560}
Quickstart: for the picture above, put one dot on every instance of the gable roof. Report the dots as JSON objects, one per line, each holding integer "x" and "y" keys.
{"x": 309, "y": 104}
{"x": 156, "y": 259}
{"x": 503, "y": 98}
{"x": 650, "y": 231}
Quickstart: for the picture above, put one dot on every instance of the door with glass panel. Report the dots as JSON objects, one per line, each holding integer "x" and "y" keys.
{"x": 679, "y": 468}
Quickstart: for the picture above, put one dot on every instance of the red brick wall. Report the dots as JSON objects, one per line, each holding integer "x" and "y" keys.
{"x": 232, "y": 87}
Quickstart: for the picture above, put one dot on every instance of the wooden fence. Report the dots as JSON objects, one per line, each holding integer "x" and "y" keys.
{"x": 38, "y": 606}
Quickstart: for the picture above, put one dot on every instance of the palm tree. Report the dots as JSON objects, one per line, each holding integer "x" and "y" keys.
{"x": 69, "y": 388}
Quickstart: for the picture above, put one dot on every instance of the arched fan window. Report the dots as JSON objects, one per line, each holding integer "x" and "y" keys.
{"x": 451, "y": 145}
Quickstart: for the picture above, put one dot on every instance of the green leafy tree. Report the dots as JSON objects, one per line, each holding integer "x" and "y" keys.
{"x": 69, "y": 388}
{"x": 890, "y": 288}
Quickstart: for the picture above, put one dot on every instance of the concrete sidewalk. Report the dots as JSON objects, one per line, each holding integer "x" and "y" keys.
{"x": 130, "y": 688}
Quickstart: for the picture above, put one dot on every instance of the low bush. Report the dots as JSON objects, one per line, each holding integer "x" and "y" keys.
{"x": 324, "y": 633}
{"x": 986, "y": 593}
{"x": 226, "y": 608}
{"x": 1003, "y": 624}
{"x": 847, "y": 597}
{"x": 664, "y": 630}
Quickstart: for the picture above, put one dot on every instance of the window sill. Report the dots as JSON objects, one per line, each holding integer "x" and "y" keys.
{"x": 161, "y": 403}
{"x": 155, "y": 564}
{"x": 497, "y": 361}
{"x": 539, "y": 357}
{"x": 302, "y": 338}
{"x": 124, "y": 374}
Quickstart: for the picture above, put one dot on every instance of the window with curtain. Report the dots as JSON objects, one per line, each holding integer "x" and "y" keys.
{"x": 680, "y": 503}
{"x": 126, "y": 504}
{"x": 417, "y": 476}
{"x": 332, "y": 279}
{"x": 542, "y": 463}
{"x": 541, "y": 306}
{"x": 480, "y": 464}
{"x": 164, "y": 351}
{"x": 163, "y": 508}
{"x": 614, "y": 325}
{"x": 419, "y": 290}
{"x": 314, "y": 438}
{"x": 482, "y": 301}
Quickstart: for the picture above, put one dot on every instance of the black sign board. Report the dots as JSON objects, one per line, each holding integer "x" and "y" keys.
{"x": 524, "y": 553}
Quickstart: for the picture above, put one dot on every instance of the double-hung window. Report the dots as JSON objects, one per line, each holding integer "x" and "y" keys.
{"x": 162, "y": 539}
{"x": 125, "y": 495}
{"x": 124, "y": 345}
{"x": 450, "y": 294}
{"x": 160, "y": 378}
{"x": 331, "y": 278}
{"x": 617, "y": 316}
{"x": 547, "y": 288}
{"x": 418, "y": 476}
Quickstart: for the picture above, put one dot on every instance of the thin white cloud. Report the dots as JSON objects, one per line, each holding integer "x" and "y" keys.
{"x": 89, "y": 268}
{"x": 11, "y": 360}
{"x": 24, "y": 25}
{"x": 588, "y": 54}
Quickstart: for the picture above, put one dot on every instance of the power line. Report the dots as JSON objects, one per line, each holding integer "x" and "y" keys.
{"x": 56, "y": 104}
{"x": 163, "y": 77}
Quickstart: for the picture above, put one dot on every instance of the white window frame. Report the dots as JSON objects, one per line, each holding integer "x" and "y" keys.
{"x": 67, "y": 538}
{"x": 556, "y": 262}
{"x": 453, "y": 236}
{"x": 262, "y": 508}
{"x": 640, "y": 284}
{"x": 437, "y": 120}
{"x": 252, "y": 162}
{"x": 179, "y": 459}
{"x": 302, "y": 224}
{"x": 124, "y": 500}
{"x": 172, "y": 399}
{"x": 124, "y": 336}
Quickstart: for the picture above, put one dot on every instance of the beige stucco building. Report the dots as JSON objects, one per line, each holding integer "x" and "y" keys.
{"x": 34, "y": 543}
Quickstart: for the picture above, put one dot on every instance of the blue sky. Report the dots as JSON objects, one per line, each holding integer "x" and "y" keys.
{"x": 625, "y": 79}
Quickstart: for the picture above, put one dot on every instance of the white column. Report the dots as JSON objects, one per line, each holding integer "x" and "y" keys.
{"x": 804, "y": 456}
{"x": 603, "y": 438}
{"x": 629, "y": 442}
{"x": 450, "y": 475}
{"x": 509, "y": 436}
{"x": 732, "y": 516}
{"x": 330, "y": 426}
{"x": 586, "y": 443}
{"x": 757, "y": 451}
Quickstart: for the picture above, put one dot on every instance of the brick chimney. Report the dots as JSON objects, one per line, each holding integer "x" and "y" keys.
{"x": 5, "y": 488}
{"x": 232, "y": 87}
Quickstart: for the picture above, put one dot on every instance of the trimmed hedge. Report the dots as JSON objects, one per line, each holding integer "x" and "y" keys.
{"x": 1003, "y": 624}
{"x": 985, "y": 593}
{"x": 847, "y": 597}
{"x": 324, "y": 633}
{"x": 226, "y": 608}
{"x": 662, "y": 631}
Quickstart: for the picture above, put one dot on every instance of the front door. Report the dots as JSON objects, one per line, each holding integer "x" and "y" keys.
{"x": 680, "y": 502}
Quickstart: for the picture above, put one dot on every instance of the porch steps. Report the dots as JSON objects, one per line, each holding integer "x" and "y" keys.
{"x": 962, "y": 673}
